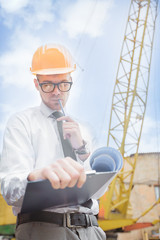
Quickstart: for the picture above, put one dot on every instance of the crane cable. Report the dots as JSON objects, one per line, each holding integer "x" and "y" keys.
{"x": 78, "y": 47}
{"x": 100, "y": 135}
{"x": 81, "y": 40}
{"x": 84, "y": 30}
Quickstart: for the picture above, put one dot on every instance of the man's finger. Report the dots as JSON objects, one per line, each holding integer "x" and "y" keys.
{"x": 52, "y": 177}
{"x": 80, "y": 169}
{"x": 81, "y": 180}
{"x": 65, "y": 118}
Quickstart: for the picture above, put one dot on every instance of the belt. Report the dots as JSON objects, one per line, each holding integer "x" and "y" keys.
{"x": 66, "y": 220}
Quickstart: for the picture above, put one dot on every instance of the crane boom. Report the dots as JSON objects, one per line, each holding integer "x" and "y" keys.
{"x": 128, "y": 108}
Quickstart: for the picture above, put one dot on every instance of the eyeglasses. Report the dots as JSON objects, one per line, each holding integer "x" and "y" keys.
{"x": 49, "y": 87}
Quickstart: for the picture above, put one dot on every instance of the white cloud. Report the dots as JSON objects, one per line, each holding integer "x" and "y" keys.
{"x": 14, "y": 67}
{"x": 27, "y": 14}
{"x": 86, "y": 17}
{"x": 13, "y": 6}
{"x": 42, "y": 12}
{"x": 15, "y": 63}
{"x": 6, "y": 110}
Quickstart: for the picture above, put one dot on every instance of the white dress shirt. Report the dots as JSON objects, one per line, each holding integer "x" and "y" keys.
{"x": 31, "y": 141}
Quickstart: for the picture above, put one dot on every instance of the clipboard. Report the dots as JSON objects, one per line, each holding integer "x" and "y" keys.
{"x": 40, "y": 195}
{"x": 106, "y": 162}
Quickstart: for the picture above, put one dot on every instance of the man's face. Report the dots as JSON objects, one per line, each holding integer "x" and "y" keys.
{"x": 51, "y": 99}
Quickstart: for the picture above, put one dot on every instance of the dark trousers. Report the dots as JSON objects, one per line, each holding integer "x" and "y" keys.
{"x": 49, "y": 231}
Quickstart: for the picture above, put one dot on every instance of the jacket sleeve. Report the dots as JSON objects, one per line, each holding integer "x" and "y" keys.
{"x": 16, "y": 162}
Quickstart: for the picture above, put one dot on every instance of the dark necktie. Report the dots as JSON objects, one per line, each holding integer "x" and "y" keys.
{"x": 67, "y": 148}
{"x": 66, "y": 145}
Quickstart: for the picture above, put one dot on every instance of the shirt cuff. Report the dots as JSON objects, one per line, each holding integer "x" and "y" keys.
{"x": 13, "y": 188}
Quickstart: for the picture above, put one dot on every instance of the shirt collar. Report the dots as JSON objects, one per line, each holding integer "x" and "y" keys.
{"x": 46, "y": 110}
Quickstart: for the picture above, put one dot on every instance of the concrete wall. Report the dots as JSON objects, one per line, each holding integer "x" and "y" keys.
{"x": 147, "y": 175}
{"x": 147, "y": 168}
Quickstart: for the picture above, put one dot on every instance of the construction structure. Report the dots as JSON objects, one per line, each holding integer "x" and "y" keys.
{"x": 145, "y": 193}
{"x": 128, "y": 110}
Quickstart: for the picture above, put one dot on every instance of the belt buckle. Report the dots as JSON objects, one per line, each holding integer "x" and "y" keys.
{"x": 68, "y": 222}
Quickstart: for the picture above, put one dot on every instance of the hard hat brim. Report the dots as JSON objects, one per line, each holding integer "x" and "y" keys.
{"x": 53, "y": 71}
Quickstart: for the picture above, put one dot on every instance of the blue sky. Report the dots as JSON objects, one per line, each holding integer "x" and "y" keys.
{"x": 93, "y": 30}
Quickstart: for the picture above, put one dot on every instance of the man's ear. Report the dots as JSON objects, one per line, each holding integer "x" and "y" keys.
{"x": 36, "y": 84}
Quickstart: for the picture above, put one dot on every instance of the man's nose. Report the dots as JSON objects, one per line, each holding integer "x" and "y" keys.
{"x": 56, "y": 91}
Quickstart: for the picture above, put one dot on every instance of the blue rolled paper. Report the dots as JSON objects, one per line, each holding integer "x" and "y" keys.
{"x": 106, "y": 159}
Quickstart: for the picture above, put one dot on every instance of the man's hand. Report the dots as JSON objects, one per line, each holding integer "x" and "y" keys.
{"x": 63, "y": 173}
{"x": 71, "y": 131}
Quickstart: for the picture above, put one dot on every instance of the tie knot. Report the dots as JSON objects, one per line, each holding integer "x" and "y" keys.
{"x": 57, "y": 114}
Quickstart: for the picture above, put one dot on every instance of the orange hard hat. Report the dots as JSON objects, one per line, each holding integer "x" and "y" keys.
{"x": 52, "y": 59}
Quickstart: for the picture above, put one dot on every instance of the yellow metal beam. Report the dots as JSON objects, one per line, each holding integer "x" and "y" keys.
{"x": 107, "y": 225}
{"x": 149, "y": 209}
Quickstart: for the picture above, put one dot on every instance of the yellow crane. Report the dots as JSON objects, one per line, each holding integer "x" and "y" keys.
{"x": 128, "y": 109}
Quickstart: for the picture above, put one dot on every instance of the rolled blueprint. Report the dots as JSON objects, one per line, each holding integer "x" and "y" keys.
{"x": 106, "y": 159}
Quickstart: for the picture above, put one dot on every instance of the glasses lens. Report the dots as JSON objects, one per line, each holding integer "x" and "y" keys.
{"x": 48, "y": 87}
{"x": 64, "y": 86}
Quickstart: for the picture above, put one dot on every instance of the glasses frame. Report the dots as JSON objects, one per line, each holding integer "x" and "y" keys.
{"x": 54, "y": 85}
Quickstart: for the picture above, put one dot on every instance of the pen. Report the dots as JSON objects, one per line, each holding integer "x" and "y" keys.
{"x": 60, "y": 103}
